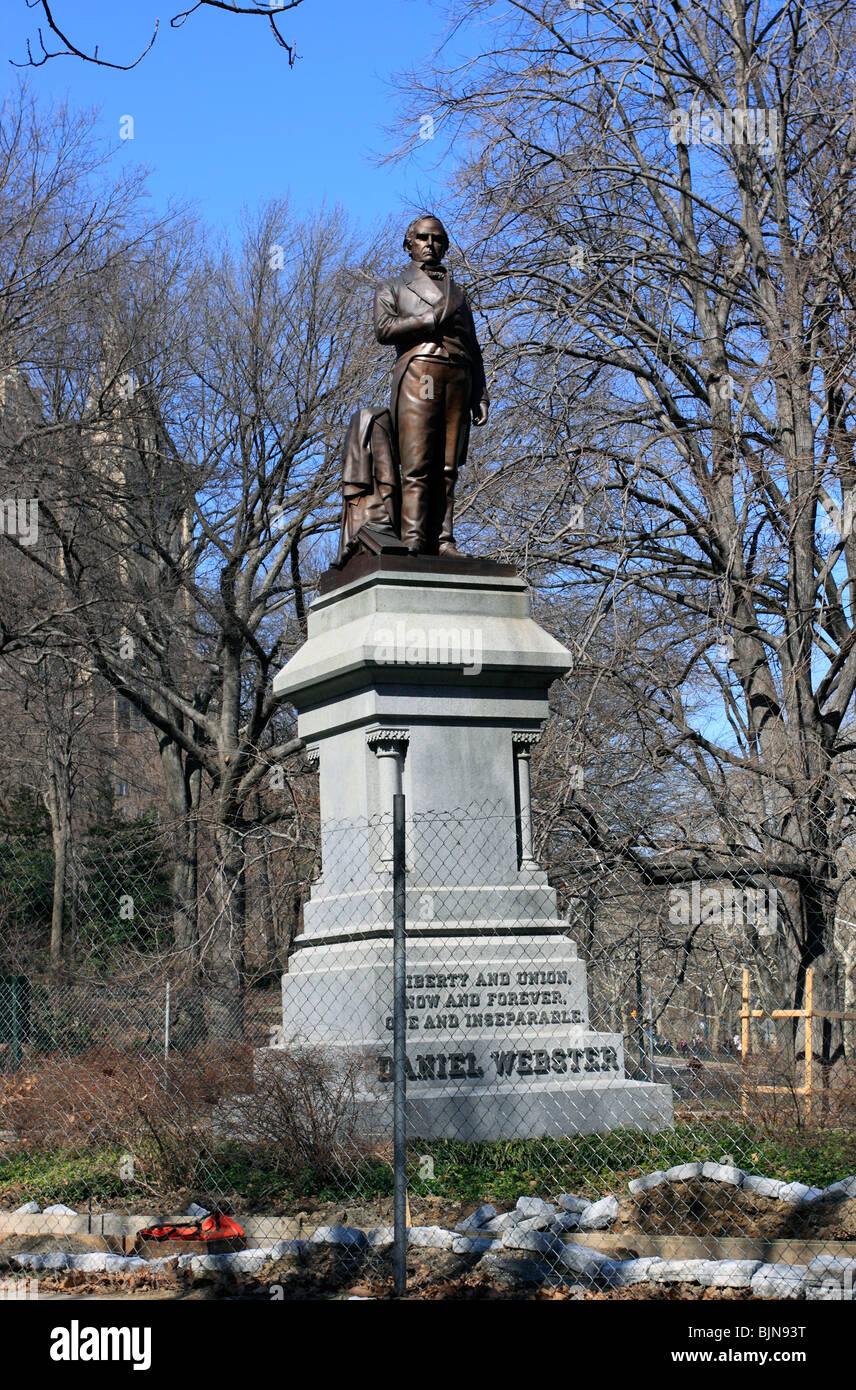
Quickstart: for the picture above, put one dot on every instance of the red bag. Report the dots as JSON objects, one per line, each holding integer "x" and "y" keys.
{"x": 213, "y": 1227}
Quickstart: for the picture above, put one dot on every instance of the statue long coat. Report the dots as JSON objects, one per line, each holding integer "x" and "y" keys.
{"x": 400, "y": 308}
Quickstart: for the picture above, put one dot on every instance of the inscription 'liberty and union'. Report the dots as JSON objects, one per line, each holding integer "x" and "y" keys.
{"x": 459, "y": 993}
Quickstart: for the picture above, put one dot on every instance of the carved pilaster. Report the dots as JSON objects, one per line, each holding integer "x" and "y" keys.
{"x": 523, "y": 741}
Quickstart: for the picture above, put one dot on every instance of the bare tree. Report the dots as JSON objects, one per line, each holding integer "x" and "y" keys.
{"x": 661, "y": 197}
{"x": 59, "y": 31}
{"x": 202, "y": 477}
{"x": 67, "y": 220}
{"x": 57, "y": 744}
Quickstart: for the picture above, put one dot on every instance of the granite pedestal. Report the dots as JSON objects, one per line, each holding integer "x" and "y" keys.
{"x": 430, "y": 677}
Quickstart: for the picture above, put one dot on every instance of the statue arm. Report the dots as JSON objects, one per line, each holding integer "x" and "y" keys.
{"x": 392, "y": 327}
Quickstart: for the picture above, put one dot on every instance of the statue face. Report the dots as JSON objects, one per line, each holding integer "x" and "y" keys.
{"x": 428, "y": 242}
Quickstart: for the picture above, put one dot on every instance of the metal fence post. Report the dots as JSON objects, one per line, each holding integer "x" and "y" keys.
{"x": 399, "y": 1036}
{"x": 650, "y": 994}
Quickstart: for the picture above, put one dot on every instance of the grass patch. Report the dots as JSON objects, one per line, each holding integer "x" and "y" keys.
{"x": 59, "y": 1176}
{"x": 592, "y": 1165}
{"x": 589, "y": 1165}
{"x": 264, "y": 1189}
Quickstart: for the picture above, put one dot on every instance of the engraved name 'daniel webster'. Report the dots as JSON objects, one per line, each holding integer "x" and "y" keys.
{"x": 463, "y": 999}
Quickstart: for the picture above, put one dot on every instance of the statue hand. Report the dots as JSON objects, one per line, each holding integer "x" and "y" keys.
{"x": 480, "y": 413}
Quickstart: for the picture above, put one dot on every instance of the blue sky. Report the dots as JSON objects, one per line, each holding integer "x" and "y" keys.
{"x": 220, "y": 118}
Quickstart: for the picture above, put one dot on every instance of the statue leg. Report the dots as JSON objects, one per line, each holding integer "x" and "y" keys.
{"x": 419, "y": 419}
{"x": 457, "y": 433}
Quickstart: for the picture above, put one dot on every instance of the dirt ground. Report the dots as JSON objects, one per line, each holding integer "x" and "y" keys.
{"x": 700, "y": 1208}
{"x": 327, "y": 1274}
{"x": 694, "y": 1208}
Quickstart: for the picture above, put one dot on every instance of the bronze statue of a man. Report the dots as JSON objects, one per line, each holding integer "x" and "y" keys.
{"x": 438, "y": 385}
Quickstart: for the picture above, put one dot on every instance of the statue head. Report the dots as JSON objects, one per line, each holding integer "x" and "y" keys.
{"x": 426, "y": 241}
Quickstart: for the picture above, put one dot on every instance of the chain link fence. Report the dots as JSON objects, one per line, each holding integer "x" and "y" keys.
{"x": 607, "y": 1080}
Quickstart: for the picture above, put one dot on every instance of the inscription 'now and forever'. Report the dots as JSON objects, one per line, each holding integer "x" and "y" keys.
{"x": 458, "y": 998}
{"x": 487, "y": 1000}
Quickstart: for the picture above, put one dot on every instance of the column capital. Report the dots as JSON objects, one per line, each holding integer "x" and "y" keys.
{"x": 524, "y": 739}
{"x": 388, "y": 742}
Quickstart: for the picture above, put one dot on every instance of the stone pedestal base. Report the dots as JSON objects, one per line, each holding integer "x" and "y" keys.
{"x": 543, "y": 1111}
{"x": 428, "y": 679}
{"x": 499, "y": 1042}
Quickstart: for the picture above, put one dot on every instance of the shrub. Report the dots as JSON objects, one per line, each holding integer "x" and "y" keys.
{"x": 106, "y": 1098}
{"x": 305, "y": 1113}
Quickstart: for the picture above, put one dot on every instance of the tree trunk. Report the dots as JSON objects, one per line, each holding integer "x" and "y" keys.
{"x": 57, "y": 800}
{"x": 224, "y": 959}
{"x": 60, "y": 835}
{"x": 846, "y": 950}
{"x": 183, "y": 784}
{"x": 269, "y": 909}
